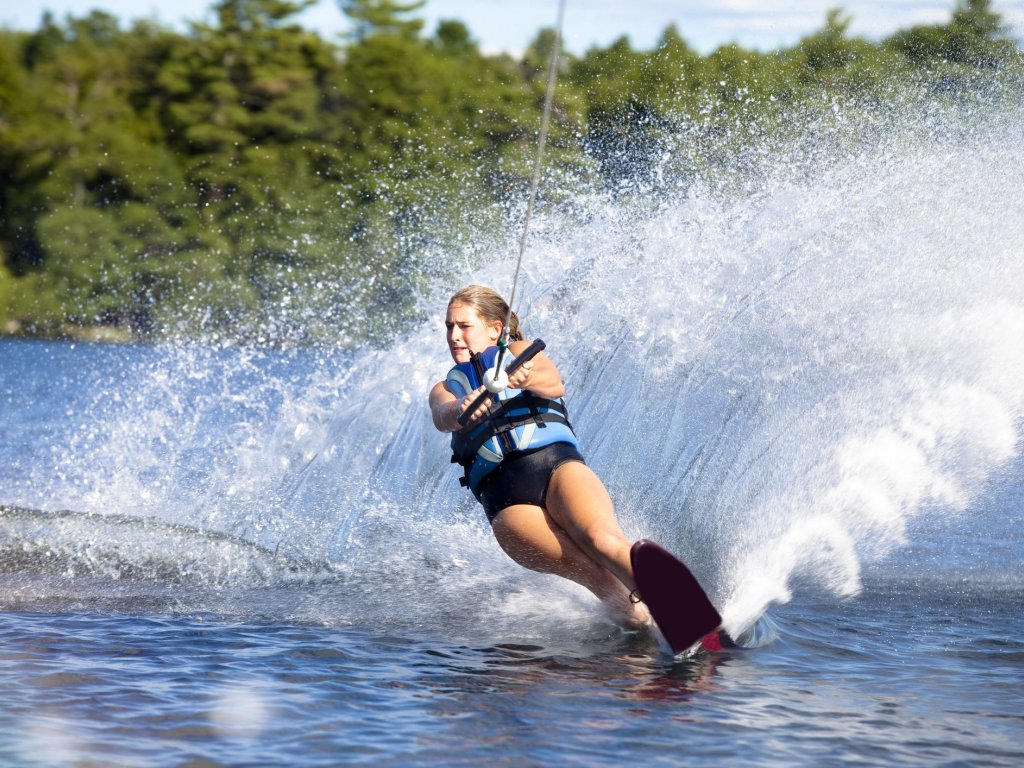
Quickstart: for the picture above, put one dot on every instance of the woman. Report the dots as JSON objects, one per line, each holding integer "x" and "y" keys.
{"x": 548, "y": 510}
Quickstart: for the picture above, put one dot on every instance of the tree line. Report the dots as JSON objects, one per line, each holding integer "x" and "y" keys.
{"x": 252, "y": 179}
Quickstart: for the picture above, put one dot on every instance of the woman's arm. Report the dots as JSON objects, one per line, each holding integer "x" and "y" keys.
{"x": 445, "y": 408}
{"x": 538, "y": 375}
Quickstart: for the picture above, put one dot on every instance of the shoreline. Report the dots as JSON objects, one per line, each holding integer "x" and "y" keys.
{"x": 99, "y": 334}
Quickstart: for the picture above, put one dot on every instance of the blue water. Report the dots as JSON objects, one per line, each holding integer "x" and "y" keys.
{"x": 812, "y": 391}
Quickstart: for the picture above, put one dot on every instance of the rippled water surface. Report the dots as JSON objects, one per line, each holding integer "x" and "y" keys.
{"x": 893, "y": 679}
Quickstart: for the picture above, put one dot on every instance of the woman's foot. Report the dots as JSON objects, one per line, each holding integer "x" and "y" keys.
{"x": 627, "y": 613}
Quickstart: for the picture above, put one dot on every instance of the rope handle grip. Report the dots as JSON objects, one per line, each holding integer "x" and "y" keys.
{"x": 529, "y": 353}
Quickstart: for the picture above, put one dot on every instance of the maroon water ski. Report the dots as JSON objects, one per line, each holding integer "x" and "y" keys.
{"x": 675, "y": 598}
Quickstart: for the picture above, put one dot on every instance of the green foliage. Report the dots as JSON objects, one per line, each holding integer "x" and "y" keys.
{"x": 7, "y": 324}
{"x": 976, "y": 36}
{"x": 249, "y": 179}
{"x": 389, "y": 17}
{"x": 832, "y": 59}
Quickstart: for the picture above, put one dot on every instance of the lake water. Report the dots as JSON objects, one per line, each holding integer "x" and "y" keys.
{"x": 813, "y": 393}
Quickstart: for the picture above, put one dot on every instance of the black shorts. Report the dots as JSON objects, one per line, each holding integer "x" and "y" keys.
{"x": 522, "y": 478}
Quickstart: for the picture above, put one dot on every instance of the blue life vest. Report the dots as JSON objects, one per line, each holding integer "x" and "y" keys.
{"x": 523, "y": 421}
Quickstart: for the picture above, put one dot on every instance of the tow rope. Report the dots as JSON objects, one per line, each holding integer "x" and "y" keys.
{"x": 496, "y": 380}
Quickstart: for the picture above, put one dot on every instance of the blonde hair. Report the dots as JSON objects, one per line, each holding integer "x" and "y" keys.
{"x": 490, "y": 306}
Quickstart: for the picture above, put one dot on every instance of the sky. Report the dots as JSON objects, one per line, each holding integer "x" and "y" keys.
{"x": 510, "y": 25}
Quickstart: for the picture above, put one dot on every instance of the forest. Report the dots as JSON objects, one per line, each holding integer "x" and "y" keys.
{"x": 251, "y": 180}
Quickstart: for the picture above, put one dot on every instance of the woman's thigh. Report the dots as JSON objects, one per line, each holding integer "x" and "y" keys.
{"x": 578, "y": 501}
{"x": 533, "y": 539}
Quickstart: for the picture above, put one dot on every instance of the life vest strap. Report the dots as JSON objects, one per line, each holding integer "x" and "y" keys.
{"x": 469, "y": 448}
{"x": 466, "y": 445}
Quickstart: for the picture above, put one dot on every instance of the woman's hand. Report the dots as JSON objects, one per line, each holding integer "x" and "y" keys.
{"x": 539, "y": 375}
{"x": 461, "y": 406}
{"x": 521, "y": 378}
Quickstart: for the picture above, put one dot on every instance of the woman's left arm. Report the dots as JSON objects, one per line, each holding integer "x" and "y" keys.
{"x": 538, "y": 375}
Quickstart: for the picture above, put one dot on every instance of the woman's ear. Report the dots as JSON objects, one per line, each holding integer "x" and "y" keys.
{"x": 496, "y": 330}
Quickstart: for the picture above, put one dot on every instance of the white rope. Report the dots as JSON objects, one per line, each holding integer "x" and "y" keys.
{"x": 538, "y": 164}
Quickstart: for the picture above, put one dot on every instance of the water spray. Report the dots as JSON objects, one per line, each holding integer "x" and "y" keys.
{"x": 497, "y": 382}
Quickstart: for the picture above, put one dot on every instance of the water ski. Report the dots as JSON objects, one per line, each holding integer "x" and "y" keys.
{"x": 676, "y": 600}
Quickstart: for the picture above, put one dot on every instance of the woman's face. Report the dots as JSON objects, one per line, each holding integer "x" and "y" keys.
{"x": 468, "y": 332}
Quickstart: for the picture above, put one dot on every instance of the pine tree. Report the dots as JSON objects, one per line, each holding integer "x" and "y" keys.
{"x": 372, "y": 17}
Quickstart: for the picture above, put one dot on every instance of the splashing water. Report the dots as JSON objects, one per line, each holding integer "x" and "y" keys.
{"x": 772, "y": 384}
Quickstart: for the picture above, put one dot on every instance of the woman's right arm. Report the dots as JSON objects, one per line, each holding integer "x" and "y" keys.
{"x": 445, "y": 408}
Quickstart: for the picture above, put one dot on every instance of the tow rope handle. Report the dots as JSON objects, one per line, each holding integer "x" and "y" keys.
{"x": 529, "y": 353}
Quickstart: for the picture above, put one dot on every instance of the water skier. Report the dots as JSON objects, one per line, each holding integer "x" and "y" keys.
{"x": 547, "y": 509}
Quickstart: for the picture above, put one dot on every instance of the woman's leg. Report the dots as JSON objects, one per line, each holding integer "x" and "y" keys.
{"x": 579, "y": 504}
{"x": 529, "y": 536}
